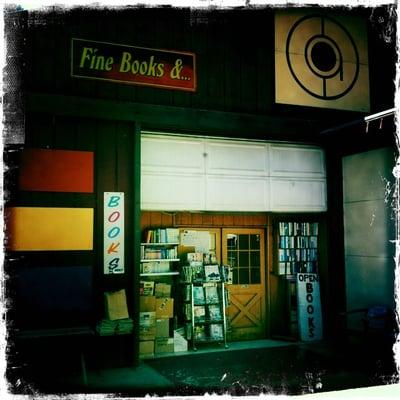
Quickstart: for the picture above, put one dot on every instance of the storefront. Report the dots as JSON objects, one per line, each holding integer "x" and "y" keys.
{"x": 139, "y": 122}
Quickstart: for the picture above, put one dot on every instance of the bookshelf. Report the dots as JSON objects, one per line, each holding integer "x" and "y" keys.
{"x": 296, "y": 251}
{"x": 297, "y": 248}
{"x": 158, "y": 278}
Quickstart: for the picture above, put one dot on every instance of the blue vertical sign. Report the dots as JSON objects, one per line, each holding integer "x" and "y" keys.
{"x": 309, "y": 307}
{"x": 114, "y": 234}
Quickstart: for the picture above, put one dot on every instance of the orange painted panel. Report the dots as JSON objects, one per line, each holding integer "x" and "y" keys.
{"x": 47, "y": 170}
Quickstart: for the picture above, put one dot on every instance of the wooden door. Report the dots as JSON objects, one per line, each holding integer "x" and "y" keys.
{"x": 243, "y": 250}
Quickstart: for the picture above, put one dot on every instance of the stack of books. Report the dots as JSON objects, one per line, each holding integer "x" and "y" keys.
{"x": 107, "y": 327}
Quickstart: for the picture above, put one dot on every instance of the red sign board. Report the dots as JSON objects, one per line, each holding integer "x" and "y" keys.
{"x": 133, "y": 65}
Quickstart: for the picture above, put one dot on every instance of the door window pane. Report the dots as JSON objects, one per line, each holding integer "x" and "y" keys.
{"x": 232, "y": 241}
{"x": 254, "y": 242}
{"x": 255, "y": 275}
{"x": 244, "y": 276}
{"x": 254, "y": 258}
{"x": 235, "y": 280}
{"x": 232, "y": 258}
{"x": 243, "y": 259}
{"x": 243, "y": 242}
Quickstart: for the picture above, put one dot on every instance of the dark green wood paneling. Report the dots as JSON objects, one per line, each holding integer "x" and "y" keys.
{"x": 180, "y": 119}
{"x": 115, "y": 146}
{"x": 234, "y": 49}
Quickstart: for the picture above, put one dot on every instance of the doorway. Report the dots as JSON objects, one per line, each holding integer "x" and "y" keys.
{"x": 244, "y": 251}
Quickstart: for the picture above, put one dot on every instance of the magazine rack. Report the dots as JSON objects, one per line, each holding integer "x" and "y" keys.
{"x": 207, "y": 312}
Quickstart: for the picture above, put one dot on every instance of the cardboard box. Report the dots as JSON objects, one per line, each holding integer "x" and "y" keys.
{"x": 147, "y": 325}
{"x": 115, "y": 305}
{"x": 146, "y": 347}
{"x": 162, "y": 290}
{"x": 180, "y": 343}
{"x": 164, "y": 307}
{"x": 164, "y": 345}
{"x": 162, "y": 327}
{"x": 147, "y": 304}
{"x": 147, "y": 319}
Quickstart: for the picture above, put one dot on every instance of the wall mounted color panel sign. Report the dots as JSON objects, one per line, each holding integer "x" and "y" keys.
{"x": 114, "y": 234}
{"x": 309, "y": 307}
{"x": 321, "y": 61}
{"x": 43, "y": 229}
{"x": 56, "y": 171}
{"x": 133, "y": 65}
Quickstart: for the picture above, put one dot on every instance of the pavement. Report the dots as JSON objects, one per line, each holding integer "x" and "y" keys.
{"x": 264, "y": 367}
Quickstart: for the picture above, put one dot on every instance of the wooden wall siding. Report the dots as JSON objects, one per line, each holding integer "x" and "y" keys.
{"x": 231, "y": 62}
{"x": 157, "y": 219}
{"x": 113, "y": 145}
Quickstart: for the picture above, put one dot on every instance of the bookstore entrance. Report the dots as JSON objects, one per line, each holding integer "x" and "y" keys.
{"x": 206, "y": 284}
{"x": 243, "y": 251}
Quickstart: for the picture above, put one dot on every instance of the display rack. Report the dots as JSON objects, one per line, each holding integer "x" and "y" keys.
{"x": 204, "y": 306}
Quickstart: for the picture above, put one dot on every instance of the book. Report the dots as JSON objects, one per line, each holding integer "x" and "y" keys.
{"x": 146, "y": 288}
{"x": 214, "y": 312}
{"x": 195, "y": 257}
{"x": 199, "y": 333}
{"x": 187, "y": 293}
{"x": 211, "y": 273}
{"x": 199, "y": 313}
{"x": 198, "y": 294}
{"x": 211, "y": 294}
{"x": 216, "y": 331}
{"x": 187, "y": 311}
{"x": 172, "y": 235}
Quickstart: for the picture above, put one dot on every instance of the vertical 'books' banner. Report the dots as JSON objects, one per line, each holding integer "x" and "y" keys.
{"x": 114, "y": 234}
{"x": 309, "y": 307}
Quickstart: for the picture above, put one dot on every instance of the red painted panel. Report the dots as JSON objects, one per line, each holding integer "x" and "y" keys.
{"x": 46, "y": 170}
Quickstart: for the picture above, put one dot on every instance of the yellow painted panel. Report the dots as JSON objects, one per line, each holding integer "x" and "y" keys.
{"x": 40, "y": 228}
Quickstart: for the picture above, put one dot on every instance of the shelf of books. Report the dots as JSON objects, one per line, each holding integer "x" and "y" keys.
{"x": 297, "y": 248}
{"x": 204, "y": 299}
{"x": 158, "y": 279}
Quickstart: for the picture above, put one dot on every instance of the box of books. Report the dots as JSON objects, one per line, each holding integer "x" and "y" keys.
{"x": 147, "y": 325}
{"x": 162, "y": 327}
{"x": 164, "y": 345}
{"x": 164, "y": 307}
{"x": 147, "y": 303}
{"x": 146, "y": 347}
{"x": 162, "y": 290}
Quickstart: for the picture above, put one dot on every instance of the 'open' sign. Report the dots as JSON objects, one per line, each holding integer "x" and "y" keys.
{"x": 309, "y": 307}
